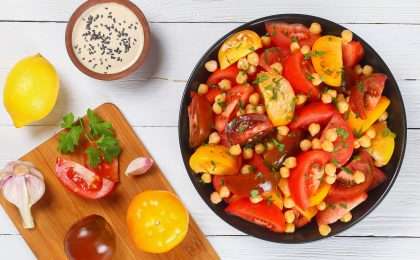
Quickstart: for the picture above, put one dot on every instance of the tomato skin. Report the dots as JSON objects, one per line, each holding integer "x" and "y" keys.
{"x": 272, "y": 55}
{"x": 228, "y": 73}
{"x": 200, "y": 117}
{"x": 246, "y": 128}
{"x": 316, "y": 112}
{"x": 353, "y": 52}
{"x": 300, "y": 176}
{"x": 66, "y": 169}
{"x": 282, "y": 33}
{"x": 262, "y": 213}
{"x": 341, "y": 190}
{"x": 212, "y": 93}
{"x": 378, "y": 178}
{"x": 343, "y": 146}
{"x": 295, "y": 71}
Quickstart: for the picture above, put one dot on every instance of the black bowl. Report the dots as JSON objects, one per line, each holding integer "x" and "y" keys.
{"x": 397, "y": 123}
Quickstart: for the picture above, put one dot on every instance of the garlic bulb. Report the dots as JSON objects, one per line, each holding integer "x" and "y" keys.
{"x": 139, "y": 166}
{"x": 23, "y": 185}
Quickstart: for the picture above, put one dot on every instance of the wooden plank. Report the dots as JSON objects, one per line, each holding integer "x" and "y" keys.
{"x": 54, "y": 214}
{"x": 398, "y": 215}
{"x": 170, "y": 64}
{"x": 229, "y": 10}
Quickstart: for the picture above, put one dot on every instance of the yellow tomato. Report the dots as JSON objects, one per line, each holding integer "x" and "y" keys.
{"x": 279, "y": 97}
{"x": 214, "y": 159}
{"x": 157, "y": 221}
{"x": 327, "y": 59}
{"x": 361, "y": 125}
{"x": 320, "y": 195}
{"x": 309, "y": 213}
{"x": 383, "y": 144}
{"x": 237, "y": 46}
{"x": 275, "y": 198}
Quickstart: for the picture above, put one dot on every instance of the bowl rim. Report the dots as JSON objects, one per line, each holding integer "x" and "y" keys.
{"x": 183, "y": 106}
{"x": 114, "y": 76}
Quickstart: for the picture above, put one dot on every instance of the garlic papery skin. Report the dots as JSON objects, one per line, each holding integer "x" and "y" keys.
{"x": 22, "y": 185}
{"x": 139, "y": 166}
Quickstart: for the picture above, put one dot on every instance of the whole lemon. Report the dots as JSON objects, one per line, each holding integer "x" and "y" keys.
{"x": 31, "y": 90}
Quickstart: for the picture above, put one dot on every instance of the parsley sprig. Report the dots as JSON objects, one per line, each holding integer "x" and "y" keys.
{"x": 103, "y": 144}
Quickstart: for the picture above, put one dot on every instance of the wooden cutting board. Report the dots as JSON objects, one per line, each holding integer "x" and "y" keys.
{"x": 59, "y": 209}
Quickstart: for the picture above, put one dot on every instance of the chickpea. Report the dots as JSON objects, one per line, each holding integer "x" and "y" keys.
{"x": 359, "y": 177}
{"x": 326, "y": 98}
{"x": 365, "y": 142}
{"x": 247, "y": 153}
{"x": 371, "y": 133}
{"x": 224, "y": 192}
{"x": 314, "y": 129}
{"x": 217, "y": 108}
{"x": 367, "y": 70}
{"x": 250, "y": 109}
{"x": 358, "y": 69}
{"x": 321, "y": 206}
{"x": 256, "y": 199}
{"x": 254, "y": 98}
{"x": 259, "y": 148}
{"x": 290, "y": 228}
{"x": 214, "y": 138}
{"x": 383, "y": 117}
{"x": 243, "y": 64}
{"x": 260, "y": 109}
{"x": 289, "y": 216}
{"x": 290, "y": 162}
{"x": 277, "y": 67}
{"x": 330, "y": 179}
{"x": 283, "y": 130}
{"x": 315, "y": 28}
{"x": 225, "y": 84}
{"x": 247, "y": 169}
{"x": 356, "y": 144}
{"x": 317, "y": 171}
{"x": 331, "y": 134}
{"x": 324, "y": 230}
{"x": 305, "y": 145}
{"x": 316, "y": 144}
{"x": 340, "y": 97}
{"x": 342, "y": 106}
{"x": 305, "y": 49}
{"x": 235, "y": 150}
{"x": 330, "y": 169}
{"x": 294, "y": 46}
{"x": 332, "y": 93}
{"x": 327, "y": 146}
{"x": 215, "y": 197}
{"x": 379, "y": 164}
{"x": 270, "y": 146}
{"x": 202, "y": 89}
{"x": 251, "y": 70}
{"x": 346, "y": 36}
{"x": 253, "y": 58}
{"x": 220, "y": 98}
{"x": 284, "y": 172}
{"x": 301, "y": 99}
{"x": 242, "y": 77}
{"x": 289, "y": 203}
{"x": 316, "y": 79}
{"x": 211, "y": 66}
{"x": 266, "y": 40}
{"x": 284, "y": 187}
{"x": 206, "y": 178}
{"x": 346, "y": 218}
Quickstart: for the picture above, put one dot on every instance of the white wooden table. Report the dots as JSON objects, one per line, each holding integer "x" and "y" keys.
{"x": 182, "y": 30}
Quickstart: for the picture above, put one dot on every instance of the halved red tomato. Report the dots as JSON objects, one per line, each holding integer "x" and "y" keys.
{"x": 352, "y": 53}
{"x": 343, "y": 146}
{"x": 200, "y": 116}
{"x": 316, "y": 112}
{"x": 264, "y": 214}
{"x": 282, "y": 34}
{"x": 301, "y": 177}
{"x": 272, "y": 55}
{"x": 83, "y": 181}
{"x": 296, "y": 71}
{"x": 228, "y": 73}
{"x": 343, "y": 189}
{"x": 247, "y": 128}
{"x": 366, "y": 94}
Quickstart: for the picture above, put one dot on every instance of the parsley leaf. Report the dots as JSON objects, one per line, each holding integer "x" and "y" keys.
{"x": 109, "y": 147}
{"x": 93, "y": 155}
{"x": 68, "y": 141}
{"x": 67, "y": 121}
{"x": 97, "y": 126}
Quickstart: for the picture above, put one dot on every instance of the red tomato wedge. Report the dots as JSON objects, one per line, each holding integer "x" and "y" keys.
{"x": 378, "y": 178}
{"x": 212, "y": 93}
{"x": 282, "y": 34}
{"x": 301, "y": 177}
{"x": 343, "y": 146}
{"x": 337, "y": 210}
{"x": 82, "y": 181}
{"x": 263, "y": 213}
{"x": 272, "y": 55}
{"x": 296, "y": 71}
{"x": 228, "y": 73}
{"x": 247, "y": 128}
{"x": 352, "y": 53}
{"x": 343, "y": 189}
{"x": 316, "y": 112}
{"x": 200, "y": 116}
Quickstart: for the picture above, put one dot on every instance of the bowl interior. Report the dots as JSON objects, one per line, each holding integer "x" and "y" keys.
{"x": 396, "y": 121}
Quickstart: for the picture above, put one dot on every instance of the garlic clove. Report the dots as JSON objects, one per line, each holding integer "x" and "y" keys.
{"x": 139, "y": 166}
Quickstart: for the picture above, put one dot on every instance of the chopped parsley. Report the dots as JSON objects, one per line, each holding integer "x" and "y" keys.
{"x": 360, "y": 87}
{"x": 317, "y": 53}
{"x": 294, "y": 39}
{"x": 335, "y": 162}
{"x": 346, "y": 170}
{"x": 259, "y": 175}
{"x": 343, "y": 205}
{"x": 342, "y": 132}
{"x": 254, "y": 193}
{"x": 278, "y": 145}
{"x": 260, "y": 78}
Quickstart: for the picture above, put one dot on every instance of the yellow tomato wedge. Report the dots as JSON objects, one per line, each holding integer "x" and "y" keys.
{"x": 237, "y": 46}
{"x": 320, "y": 195}
{"x": 279, "y": 97}
{"x": 214, "y": 159}
{"x": 383, "y": 144}
{"x": 361, "y": 125}
{"x": 327, "y": 59}
{"x": 309, "y": 213}
{"x": 275, "y": 198}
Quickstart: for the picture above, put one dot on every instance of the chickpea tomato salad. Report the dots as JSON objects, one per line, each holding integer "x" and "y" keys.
{"x": 290, "y": 127}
